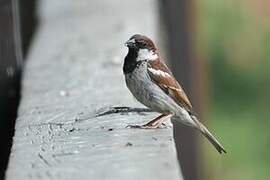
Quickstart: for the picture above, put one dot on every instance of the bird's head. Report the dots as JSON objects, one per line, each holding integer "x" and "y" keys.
{"x": 143, "y": 46}
{"x": 138, "y": 41}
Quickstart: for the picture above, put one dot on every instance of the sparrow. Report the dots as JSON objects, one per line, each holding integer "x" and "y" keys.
{"x": 152, "y": 83}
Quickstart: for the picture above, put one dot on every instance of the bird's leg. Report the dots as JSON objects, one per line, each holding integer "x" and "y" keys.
{"x": 155, "y": 123}
{"x": 158, "y": 121}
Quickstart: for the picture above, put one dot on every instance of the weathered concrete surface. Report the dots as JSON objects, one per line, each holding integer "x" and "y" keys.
{"x": 74, "y": 71}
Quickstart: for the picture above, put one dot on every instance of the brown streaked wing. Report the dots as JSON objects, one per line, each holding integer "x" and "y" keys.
{"x": 164, "y": 78}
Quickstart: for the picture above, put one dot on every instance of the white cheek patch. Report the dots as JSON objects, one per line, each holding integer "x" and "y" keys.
{"x": 159, "y": 72}
{"x": 145, "y": 54}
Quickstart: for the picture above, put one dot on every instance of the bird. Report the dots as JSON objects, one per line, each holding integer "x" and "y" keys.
{"x": 152, "y": 83}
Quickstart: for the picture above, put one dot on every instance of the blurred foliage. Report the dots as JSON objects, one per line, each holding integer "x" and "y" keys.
{"x": 237, "y": 33}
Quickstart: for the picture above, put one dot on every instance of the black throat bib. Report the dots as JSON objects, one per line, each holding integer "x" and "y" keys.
{"x": 130, "y": 62}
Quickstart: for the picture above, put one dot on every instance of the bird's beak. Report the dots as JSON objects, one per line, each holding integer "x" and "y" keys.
{"x": 130, "y": 43}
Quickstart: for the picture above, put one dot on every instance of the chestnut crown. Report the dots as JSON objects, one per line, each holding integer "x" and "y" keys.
{"x": 138, "y": 41}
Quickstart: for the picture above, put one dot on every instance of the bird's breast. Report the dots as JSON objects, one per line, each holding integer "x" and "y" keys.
{"x": 146, "y": 91}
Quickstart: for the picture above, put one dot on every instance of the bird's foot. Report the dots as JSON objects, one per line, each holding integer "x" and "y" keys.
{"x": 154, "y": 124}
{"x": 147, "y": 126}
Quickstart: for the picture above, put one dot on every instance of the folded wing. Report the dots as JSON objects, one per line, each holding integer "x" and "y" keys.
{"x": 163, "y": 77}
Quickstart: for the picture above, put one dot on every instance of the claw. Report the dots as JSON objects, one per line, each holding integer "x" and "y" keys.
{"x": 154, "y": 124}
{"x": 145, "y": 126}
{"x": 134, "y": 126}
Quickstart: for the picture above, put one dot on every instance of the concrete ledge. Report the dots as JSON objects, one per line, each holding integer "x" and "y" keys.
{"x": 73, "y": 72}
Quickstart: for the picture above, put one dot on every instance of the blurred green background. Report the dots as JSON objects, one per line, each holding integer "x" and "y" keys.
{"x": 237, "y": 34}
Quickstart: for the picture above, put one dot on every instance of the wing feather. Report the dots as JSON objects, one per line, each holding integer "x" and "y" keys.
{"x": 164, "y": 78}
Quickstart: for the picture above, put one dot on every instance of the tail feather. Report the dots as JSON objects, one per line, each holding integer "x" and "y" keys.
{"x": 209, "y": 136}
